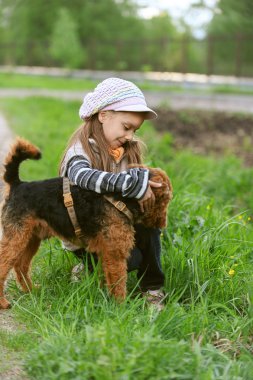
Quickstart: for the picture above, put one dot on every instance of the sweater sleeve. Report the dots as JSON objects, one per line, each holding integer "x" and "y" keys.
{"x": 131, "y": 183}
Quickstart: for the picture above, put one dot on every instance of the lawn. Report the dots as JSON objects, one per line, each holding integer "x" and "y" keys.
{"x": 13, "y": 80}
{"x": 75, "y": 331}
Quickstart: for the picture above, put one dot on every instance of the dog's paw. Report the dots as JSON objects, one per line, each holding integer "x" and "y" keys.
{"x": 4, "y": 304}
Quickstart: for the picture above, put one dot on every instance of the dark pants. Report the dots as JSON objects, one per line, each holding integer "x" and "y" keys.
{"x": 145, "y": 258}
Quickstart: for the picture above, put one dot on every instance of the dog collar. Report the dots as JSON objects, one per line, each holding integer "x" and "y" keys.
{"x": 121, "y": 206}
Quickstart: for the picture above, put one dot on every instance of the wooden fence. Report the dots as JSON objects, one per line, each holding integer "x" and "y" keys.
{"x": 216, "y": 54}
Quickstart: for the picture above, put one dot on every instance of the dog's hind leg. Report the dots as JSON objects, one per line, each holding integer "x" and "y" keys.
{"x": 9, "y": 251}
{"x": 23, "y": 262}
{"x": 12, "y": 246}
{"x": 6, "y": 263}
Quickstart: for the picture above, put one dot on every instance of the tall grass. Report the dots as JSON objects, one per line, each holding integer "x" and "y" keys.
{"x": 205, "y": 331}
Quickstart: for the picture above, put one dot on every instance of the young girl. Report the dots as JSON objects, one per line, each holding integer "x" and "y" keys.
{"x": 97, "y": 158}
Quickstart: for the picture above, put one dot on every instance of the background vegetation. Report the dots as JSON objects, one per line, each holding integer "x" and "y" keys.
{"x": 110, "y": 35}
{"x": 74, "y": 330}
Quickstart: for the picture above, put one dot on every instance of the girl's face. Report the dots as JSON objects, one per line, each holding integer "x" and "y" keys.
{"x": 120, "y": 127}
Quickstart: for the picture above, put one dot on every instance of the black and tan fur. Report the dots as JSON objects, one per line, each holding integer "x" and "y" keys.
{"x": 33, "y": 211}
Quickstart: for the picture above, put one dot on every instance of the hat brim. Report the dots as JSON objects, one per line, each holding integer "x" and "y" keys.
{"x": 150, "y": 114}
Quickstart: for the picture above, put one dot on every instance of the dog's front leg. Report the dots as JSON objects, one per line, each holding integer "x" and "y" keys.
{"x": 115, "y": 272}
{"x": 113, "y": 244}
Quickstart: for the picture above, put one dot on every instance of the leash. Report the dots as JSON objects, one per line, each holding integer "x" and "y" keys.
{"x": 69, "y": 204}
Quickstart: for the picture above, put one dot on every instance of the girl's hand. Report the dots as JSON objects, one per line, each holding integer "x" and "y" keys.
{"x": 148, "y": 200}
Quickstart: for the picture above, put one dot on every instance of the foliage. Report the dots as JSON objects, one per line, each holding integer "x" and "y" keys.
{"x": 110, "y": 35}
{"x": 106, "y": 34}
{"x": 65, "y": 46}
{"x": 160, "y": 30}
{"x": 234, "y": 18}
{"x": 205, "y": 332}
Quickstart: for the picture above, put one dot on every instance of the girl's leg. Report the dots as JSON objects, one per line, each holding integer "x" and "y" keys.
{"x": 150, "y": 271}
{"x": 134, "y": 260}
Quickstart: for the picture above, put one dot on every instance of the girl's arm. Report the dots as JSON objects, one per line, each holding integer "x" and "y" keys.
{"x": 131, "y": 183}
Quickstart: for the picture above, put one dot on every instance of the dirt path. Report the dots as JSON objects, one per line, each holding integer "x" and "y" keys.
{"x": 216, "y": 102}
{"x": 6, "y": 137}
{"x": 10, "y": 364}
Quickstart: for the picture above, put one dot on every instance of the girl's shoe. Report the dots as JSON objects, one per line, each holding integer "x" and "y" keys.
{"x": 155, "y": 298}
{"x": 77, "y": 272}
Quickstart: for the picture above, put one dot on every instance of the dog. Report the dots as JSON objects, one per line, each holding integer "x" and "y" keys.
{"x": 33, "y": 211}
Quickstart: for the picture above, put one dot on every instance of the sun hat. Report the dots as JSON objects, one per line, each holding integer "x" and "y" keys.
{"x": 115, "y": 94}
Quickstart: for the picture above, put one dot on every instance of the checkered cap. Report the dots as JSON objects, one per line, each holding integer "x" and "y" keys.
{"x": 117, "y": 95}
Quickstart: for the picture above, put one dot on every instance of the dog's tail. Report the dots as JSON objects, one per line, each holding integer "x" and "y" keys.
{"x": 20, "y": 151}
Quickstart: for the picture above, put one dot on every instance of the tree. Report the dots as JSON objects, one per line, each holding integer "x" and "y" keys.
{"x": 232, "y": 16}
{"x": 65, "y": 46}
{"x": 101, "y": 34}
{"x": 161, "y": 42}
{"x": 232, "y": 31}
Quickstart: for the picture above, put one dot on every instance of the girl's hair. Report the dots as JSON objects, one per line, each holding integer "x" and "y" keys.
{"x": 102, "y": 161}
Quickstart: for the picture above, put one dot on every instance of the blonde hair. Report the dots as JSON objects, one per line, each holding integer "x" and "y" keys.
{"x": 102, "y": 160}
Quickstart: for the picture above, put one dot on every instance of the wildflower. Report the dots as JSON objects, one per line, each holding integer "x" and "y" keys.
{"x": 240, "y": 217}
{"x": 249, "y": 218}
{"x": 231, "y": 272}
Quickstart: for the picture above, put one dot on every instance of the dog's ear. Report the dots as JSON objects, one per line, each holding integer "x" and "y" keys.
{"x": 161, "y": 221}
{"x": 158, "y": 175}
{"x": 157, "y": 217}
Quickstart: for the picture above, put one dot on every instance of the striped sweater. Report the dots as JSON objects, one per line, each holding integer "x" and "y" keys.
{"x": 131, "y": 183}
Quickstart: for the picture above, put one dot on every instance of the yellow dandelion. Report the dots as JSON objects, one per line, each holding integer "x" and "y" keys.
{"x": 231, "y": 272}
{"x": 240, "y": 217}
{"x": 249, "y": 218}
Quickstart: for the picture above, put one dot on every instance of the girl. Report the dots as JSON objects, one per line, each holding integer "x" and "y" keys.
{"x": 97, "y": 158}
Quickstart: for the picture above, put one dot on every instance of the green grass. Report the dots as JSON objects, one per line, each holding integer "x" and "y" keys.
{"x": 75, "y": 331}
{"x": 12, "y": 80}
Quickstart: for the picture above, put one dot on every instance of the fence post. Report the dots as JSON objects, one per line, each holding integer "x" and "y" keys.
{"x": 238, "y": 50}
{"x": 92, "y": 45}
{"x": 184, "y": 63}
{"x": 210, "y": 42}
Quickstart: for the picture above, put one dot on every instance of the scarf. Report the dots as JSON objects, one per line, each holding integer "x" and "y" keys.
{"x": 117, "y": 153}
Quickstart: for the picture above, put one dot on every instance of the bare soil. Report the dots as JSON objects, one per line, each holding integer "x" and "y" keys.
{"x": 10, "y": 363}
{"x": 209, "y": 132}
